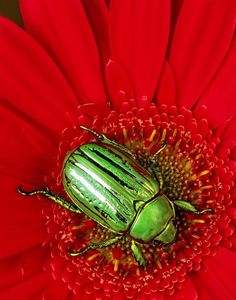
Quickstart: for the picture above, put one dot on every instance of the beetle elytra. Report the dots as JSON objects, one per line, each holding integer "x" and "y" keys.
{"x": 105, "y": 181}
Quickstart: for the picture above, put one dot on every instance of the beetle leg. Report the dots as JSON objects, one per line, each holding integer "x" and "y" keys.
{"x": 103, "y": 138}
{"x": 138, "y": 254}
{"x": 48, "y": 194}
{"x": 154, "y": 167}
{"x": 187, "y": 206}
{"x": 99, "y": 245}
{"x": 156, "y": 172}
{"x": 153, "y": 158}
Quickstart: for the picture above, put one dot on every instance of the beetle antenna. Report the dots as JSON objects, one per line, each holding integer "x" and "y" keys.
{"x": 204, "y": 211}
{"x": 98, "y": 135}
{"x": 158, "y": 152}
{"x": 56, "y": 198}
{"x": 35, "y": 192}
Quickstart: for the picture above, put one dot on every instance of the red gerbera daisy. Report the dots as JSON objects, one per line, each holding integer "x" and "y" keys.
{"x": 143, "y": 73}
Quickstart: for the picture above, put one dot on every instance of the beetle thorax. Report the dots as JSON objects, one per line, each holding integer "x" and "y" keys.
{"x": 153, "y": 221}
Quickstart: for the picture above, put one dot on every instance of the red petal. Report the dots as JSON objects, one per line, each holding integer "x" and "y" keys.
{"x": 91, "y": 110}
{"x": 98, "y": 16}
{"x": 27, "y": 289}
{"x": 187, "y": 291}
{"x": 139, "y": 35}
{"x": 31, "y": 80}
{"x": 202, "y": 37}
{"x": 24, "y": 162}
{"x": 223, "y": 266}
{"x": 230, "y": 128}
{"x": 70, "y": 41}
{"x": 22, "y": 224}
{"x": 117, "y": 81}
{"x": 54, "y": 289}
{"x": 21, "y": 267}
{"x": 16, "y": 238}
{"x": 166, "y": 90}
{"x": 220, "y": 96}
{"x": 210, "y": 285}
{"x": 176, "y": 6}
{"x": 26, "y": 146}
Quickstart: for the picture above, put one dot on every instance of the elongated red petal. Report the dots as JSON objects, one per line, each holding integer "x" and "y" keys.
{"x": 22, "y": 225}
{"x": 223, "y": 266}
{"x": 98, "y": 16}
{"x": 27, "y": 289}
{"x": 220, "y": 96}
{"x": 139, "y": 34}
{"x": 25, "y": 164}
{"x": 27, "y": 148}
{"x": 213, "y": 282}
{"x": 166, "y": 91}
{"x": 31, "y": 80}
{"x": 54, "y": 289}
{"x": 22, "y": 266}
{"x": 118, "y": 81}
{"x": 70, "y": 41}
{"x": 20, "y": 236}
{"x": 202, "y": 37}
{"x": 176, "y": 6}
{"x": 229, "y": 131}
{"x": 26, "y": 152}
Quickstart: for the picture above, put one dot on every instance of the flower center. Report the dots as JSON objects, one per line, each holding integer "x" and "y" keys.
{"x": 189, "y": 166}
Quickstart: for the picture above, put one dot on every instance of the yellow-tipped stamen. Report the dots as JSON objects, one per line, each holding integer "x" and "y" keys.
{"x": 150, "y": 139}
{"x": 205, "y": 172}
{"x": 200, "y": 221}
{"x": 196, "y": 236}
{"x": 163, "y": 137}
{"x": 177, "y": 144}
{"x": 116, "y": 263}
{"x": 210, "y": 201}
{"x": 124, "y": 133}
{"x": 76, "y": 227}
{"x": 92, "y": 257}
{"x": 159, "y": 264}
{"x": 198, "y": 156}
{"x": 175, "y": 132}
{"x": 206, "y": 187}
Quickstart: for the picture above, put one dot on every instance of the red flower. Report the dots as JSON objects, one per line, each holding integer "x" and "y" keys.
{"x": 143, "y": 73}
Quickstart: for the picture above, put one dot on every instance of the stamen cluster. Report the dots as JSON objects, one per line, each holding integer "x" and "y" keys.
{"x": 195, "y": 168}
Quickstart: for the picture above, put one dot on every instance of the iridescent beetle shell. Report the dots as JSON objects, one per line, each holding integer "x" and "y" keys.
{"x": 114, "y": 190}
{"x": 107, "y": 183}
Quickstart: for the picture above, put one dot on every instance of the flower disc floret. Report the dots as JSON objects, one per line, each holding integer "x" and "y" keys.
{"x": 191, "y": 165}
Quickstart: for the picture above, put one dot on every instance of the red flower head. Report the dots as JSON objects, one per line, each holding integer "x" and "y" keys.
{"x": 144, "y": 73}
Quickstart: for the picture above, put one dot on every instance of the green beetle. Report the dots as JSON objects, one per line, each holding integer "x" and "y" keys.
{"x": 106, "y": 182}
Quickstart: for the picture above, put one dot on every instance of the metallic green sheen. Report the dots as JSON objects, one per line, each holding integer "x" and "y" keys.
{"x": 153, "y": 219}
{"x": 167, "y": 235}
{"x": 108, "y": 185}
